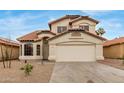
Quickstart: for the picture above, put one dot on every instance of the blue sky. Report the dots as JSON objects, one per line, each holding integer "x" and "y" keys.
{"x": 16, "y": 23}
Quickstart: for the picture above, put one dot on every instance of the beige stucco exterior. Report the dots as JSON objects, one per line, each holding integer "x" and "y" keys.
{"x": 64, "y": 22}
{"x": 45, "y": 35}
{"x": 91, "y": 24}
{"x": 35, "y": 56}
{"x": 69, "y": 40}
{"x": 15, "y": 51}
{"x": 114, "y": 51}
{"x": 69, "y": 47}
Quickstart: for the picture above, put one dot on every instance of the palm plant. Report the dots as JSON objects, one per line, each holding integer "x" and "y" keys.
{"x": 100, "y": 31}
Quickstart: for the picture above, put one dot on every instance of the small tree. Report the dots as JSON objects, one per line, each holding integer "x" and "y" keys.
{"x": 27, "y": 69}
{"x": 100, "y": 31}
{"x": 10, "y": 56}
{"x": 6, "y": 53}
{"x": 3, "y": 57}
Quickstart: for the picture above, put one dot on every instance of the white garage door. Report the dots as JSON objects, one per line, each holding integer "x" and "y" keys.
{"x": 84, "y": 53}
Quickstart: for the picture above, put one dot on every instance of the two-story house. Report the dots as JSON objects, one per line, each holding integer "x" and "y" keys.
{"x": 71, "y": 38}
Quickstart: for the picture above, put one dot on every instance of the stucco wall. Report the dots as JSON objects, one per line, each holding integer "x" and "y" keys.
{"x": 82, "y": 39}
{"x": 35, "y": 56}
{"x": 45, "y": 35}
{"x": 99, "y": 52}
{"x": 64, "y": 22}
{"x": 114, "y": 51}
{"x": 15, "y": 51}
{"x": 69, "y": 37}
{"x": 84, "y": 21}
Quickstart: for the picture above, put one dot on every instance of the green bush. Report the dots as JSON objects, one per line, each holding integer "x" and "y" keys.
{"x": 27, "y": 69}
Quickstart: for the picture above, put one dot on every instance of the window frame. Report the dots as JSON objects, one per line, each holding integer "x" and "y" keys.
{"x": 28, "y": 49}
{"x": 61, "y": 29}
{"x": 84, "y": 27}
{"x": 38, "y": 49}
{"x": 20, "y": 50}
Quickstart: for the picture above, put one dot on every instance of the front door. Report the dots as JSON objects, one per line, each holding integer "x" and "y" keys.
{"x": 45, "y": 49}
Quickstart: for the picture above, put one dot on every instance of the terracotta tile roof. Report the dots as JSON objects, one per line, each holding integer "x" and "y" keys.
{"x": 8, "y": 42}
{"x": 46, "y": 31}
{"x": 33, "y": 36}
{"x": 64, "y": 17}
{"x": 84, "y": 17}
{"x": 29, "y": 37}
{"x": 77, "y": 29}
{"x": 114, "y": 41}
{"x": 74, "y": 18}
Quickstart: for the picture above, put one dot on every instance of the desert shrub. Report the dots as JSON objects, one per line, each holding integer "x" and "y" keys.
{"x": 27, "y": 69}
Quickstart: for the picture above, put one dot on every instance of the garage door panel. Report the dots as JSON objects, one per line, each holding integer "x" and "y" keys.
{"x": 76, "y": 53}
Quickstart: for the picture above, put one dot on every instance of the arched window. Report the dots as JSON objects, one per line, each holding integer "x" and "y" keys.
{"x": 84, "y": 26}
{"x": 38, "y": 50}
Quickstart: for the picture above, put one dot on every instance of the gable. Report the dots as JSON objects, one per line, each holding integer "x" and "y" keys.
{"x": 62, "y": 18}
{"x": 84, "y": 18}
{"x": 36, "y": 35}
{"x": 83, "y": 21}
{"x": 45, "y": 34}
{"x": 64, "y": 22}
{"x": 76, "y": 37}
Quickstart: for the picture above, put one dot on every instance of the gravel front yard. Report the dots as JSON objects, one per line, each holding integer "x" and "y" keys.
{"x": 117, "y": 63}
{"x": 40, "y": 73}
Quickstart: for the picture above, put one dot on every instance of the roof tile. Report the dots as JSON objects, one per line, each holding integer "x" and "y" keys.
{"x": 8, "y": 42}
{"x": 114, "y": 41}
{"x": 33, "y": 36}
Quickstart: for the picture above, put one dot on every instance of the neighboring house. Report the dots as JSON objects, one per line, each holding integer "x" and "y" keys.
{"x": 70, "y": 38}
{"x": 114, "y": 48}
{"x": 6, "y": 46}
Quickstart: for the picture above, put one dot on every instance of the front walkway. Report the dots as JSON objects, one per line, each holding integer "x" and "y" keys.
{"x": 86, "y": 72}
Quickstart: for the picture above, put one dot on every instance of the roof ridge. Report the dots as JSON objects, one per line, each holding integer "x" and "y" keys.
{"x": 27, "y": 34}
{"x": 8, "y": 40}
{"x": 102, "y": 38}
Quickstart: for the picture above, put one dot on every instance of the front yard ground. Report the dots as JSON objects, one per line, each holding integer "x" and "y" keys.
{"x": 40, "y": 73}
{"x": 117, "y": 63}
{"x": 65, "y": 72}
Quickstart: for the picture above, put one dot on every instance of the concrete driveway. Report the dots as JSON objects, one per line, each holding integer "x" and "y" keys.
{"x": 91, "y": 72}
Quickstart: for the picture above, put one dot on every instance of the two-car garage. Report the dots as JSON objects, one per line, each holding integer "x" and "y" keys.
{"x": 75, "y": 53}
{"x": 85, "y": 47}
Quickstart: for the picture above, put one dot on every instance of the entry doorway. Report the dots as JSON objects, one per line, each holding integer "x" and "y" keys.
{"x": 45, "y": 48}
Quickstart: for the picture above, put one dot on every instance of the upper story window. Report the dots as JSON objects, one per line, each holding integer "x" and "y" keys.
{"x": 28, "y": 49}
{"x": 61, "y": 29}
{"x": 38, "y": 50}
{"x": 84, "y": 27}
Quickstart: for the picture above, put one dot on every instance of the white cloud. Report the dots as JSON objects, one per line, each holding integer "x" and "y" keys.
{"x": 95, "y": 12}
{"x": 111, "y": 23}
{"x": 51, "y": 19}
{"x": 19, "y": 25}
{"x": 113, "y": 27}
